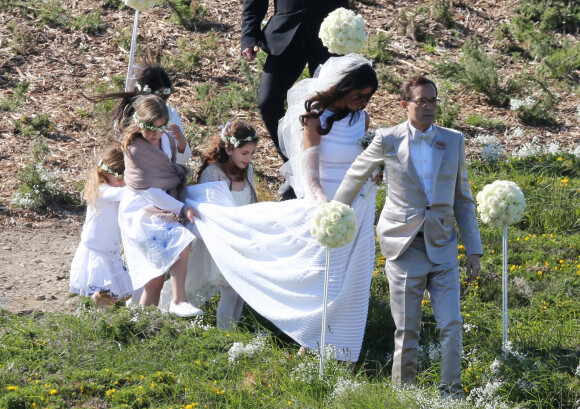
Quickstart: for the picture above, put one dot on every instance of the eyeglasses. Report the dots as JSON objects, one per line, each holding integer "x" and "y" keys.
{"x": 423, "y": 102}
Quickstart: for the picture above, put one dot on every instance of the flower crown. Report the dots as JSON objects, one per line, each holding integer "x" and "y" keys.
{"x": 102, "y": 165}
{"x": 148, "y": 127}
{"x": 146, "y": 90}
{"x": 234, "y": 140}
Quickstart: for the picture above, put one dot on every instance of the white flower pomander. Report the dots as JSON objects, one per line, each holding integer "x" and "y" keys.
{"x": 140, "y": 5}
{"x": 343, "y": 32}
{"x": 333, "y": 224}
{"x": 501, "y": 203}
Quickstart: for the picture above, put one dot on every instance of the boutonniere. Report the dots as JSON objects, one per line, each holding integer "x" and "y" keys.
{"x": 441, "y": 145}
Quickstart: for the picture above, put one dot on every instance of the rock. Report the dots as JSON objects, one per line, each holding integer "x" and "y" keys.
{"x": 40, "y": 298}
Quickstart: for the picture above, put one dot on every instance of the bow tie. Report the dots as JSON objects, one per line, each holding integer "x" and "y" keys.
{"x": 426, "y": 136}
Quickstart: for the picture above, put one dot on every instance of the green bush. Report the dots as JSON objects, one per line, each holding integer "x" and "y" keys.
{"x": 476, "y": 70}
{"x": 389, "y": 80}
{"x": 441, "y": 11}
{"x": 191, "y": 14}
{"x": 33, "y": 125}
{"x": 377, "y": 48}
{"x": 19, "y": 92}
{"x": 483, "y": 122}
{"x": 91, "y": 23}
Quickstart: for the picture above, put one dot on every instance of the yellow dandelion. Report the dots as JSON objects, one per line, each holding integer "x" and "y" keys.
{"x": 424, "y": 302}
{"x": 12, "y": 388}
{"x": 559, "y": 159}
{"x": 53, "y": 392}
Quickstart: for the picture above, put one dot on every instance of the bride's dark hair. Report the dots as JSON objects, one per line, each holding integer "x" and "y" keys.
{"x": 361, "y": 77}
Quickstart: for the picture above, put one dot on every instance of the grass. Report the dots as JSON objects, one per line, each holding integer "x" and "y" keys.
{"x": 139, "y": 358}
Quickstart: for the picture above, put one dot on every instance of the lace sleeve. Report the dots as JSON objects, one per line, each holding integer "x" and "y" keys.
{"x": 212, "y": 173}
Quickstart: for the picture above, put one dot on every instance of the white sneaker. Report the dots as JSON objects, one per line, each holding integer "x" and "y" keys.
{"x": 184, "y": 309}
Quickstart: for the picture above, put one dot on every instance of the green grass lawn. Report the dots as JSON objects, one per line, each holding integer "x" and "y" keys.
{"x": 137, "y": 358}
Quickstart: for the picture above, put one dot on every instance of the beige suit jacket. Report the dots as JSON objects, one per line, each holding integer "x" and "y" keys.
{"x": 407, "y": 208}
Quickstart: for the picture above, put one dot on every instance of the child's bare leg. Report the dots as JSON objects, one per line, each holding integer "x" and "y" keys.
{"x": 102, "y": 298}
{"x": 178, "y": 273}
{"x": 152, "y": 291}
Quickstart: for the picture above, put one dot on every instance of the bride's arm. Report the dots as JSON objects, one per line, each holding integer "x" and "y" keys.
{"x": 311, "y": 146}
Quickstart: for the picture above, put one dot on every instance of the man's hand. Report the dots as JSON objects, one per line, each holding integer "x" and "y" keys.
{"x": 473, "y": 265}
{"x": 190, "y": 213}
{"x": 250, "y": 53}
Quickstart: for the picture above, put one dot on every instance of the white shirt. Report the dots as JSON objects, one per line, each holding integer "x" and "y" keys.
{"x": 181, "y": 158}
{"x": 422, "y": 158}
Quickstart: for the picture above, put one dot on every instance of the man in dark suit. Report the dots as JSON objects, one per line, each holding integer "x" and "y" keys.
{"x": 291, "y": 40}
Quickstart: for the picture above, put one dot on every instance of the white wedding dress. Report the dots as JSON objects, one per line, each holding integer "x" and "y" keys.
{"x": 266, "y": 253}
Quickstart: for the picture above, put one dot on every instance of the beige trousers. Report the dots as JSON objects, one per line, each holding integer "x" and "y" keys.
{"x": 409, "y": 276}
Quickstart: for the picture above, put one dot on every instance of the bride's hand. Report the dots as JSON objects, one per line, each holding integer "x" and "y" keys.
{"x": 190, "y": 213}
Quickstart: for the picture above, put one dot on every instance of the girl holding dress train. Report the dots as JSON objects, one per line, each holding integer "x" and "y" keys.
{"x": 148, "y": 79}
{"x": 154, "y": 240}
{"x": 97, "y": 269}
{"x": 228, "y": 158}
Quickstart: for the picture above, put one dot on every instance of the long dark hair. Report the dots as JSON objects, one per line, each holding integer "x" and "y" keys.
{"x": 154, "y": 77}
{"x": 361, "y": 77}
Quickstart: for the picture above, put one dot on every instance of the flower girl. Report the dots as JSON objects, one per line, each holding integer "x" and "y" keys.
{"x": 150, "y": 79}
{"x": 228, "y": 158}
{"x": 97, "y": 269}
{"x": 154, "y": 240}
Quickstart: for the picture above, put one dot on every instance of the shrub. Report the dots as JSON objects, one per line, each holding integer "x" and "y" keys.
{"x": 377, "y": 48}
{"x": 389, "y": 80}
{"x": 91, "y": 23}
{"x": 563, "y": 15}
{"x": 447, "y": 112}
{"x": 189, "y": 13}
{"x": 440, "y": 11}
{"x": 189, "y": 56}
{"x": 23, "y": 41}
{"x": 483, "y": 122}
{"x": 216, "y": 105}
{"x": 476, "y": 70}
{"x": 33, "y": 125}
{"x": 19, "y": 92}
{"x": 563, "y": 61}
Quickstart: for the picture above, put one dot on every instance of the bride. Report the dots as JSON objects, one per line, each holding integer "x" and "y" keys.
{"x": 265, "y": 250}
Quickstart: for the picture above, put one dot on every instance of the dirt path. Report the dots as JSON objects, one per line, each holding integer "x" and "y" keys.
{"x": 35, "y": 259}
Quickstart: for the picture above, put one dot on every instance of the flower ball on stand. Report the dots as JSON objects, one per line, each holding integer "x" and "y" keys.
{"x": 333, "y": 224}
{"x": 500, "y": 204}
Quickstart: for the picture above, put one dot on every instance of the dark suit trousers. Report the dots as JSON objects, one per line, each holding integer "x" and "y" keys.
{"x": 280, "y": 73}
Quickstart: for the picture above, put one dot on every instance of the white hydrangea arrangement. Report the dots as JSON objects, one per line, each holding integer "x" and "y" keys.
{"x": 501, "y": 203}
{"x": 333, "y": 224}
{"x": 140, "y": 5}
{"x": 343, "y": 32}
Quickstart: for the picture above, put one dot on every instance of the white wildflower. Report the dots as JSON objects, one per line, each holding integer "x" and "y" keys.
{"x": 253, "y": 347}
{"x": 577, "y": 373}
{"x": 495, "y": 366}
{"x": 487, "y": 397}
{"x": 492, "y": 153}
{"x": 343, "y": 386}
{"x": 469, "y": 327}
{"x": 516, "y": 104}
{"x": 487, "y": 139}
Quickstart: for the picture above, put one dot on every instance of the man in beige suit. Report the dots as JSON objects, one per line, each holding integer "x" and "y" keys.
{"x": 428, "y": 191}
